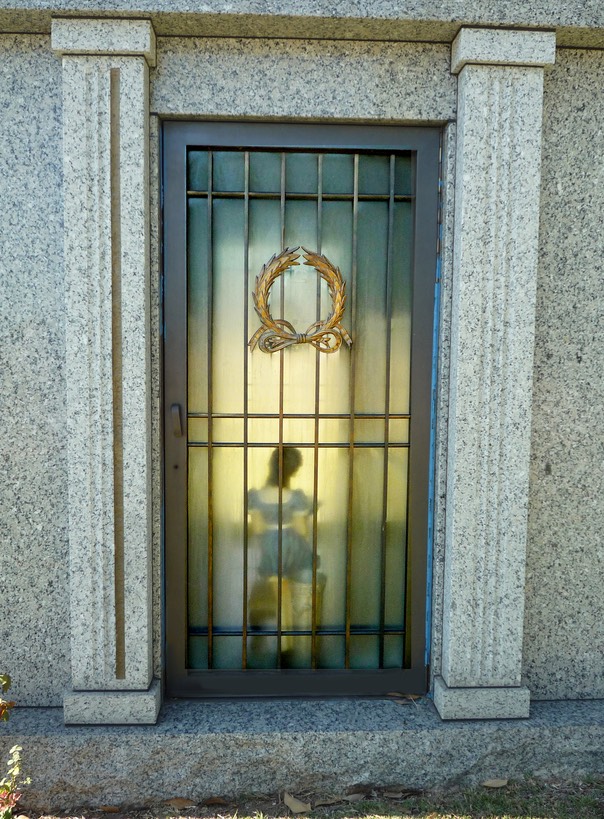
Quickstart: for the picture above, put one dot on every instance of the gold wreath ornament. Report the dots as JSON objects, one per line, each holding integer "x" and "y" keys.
{"x": 277, "y": 334}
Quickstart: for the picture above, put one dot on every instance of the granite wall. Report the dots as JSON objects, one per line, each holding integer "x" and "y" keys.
{"x": 564, "y": 642}
{"x": 34, "y": 605}
{"x": 564, "y": 625}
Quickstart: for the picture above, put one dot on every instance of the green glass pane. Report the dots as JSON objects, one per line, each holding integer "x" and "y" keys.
{"x": 364, "y": 652}
{"x": 367, "y": 510}
{"x": 338, "y": 173}
{"x": 396, "y": 537}
{"x": 370, "y": 333}
{"x": 261, "y": 652}
{"x": 229, "y": 297}
{"x": 198, "y": 653}
{"x": 393, "y": 651}
{"x": 228, "y": 171}
{"x": 296, "y": 652}
{"x": 332, "y": 531}
{"x": 265, "y": 172}
{"x": 403, "y": 175}
{"x": 198, "y": 537}
{"x": 336, "y": 244}
{"x": 402, "y": 293}
{"x": 197, "y": 324}
{"x": 374, "y": 174}
{"x": 301, "y": 173}
{"x": 227, "y": 652}
{"x": 227, "y": 536}
{"x": 265, "y": 241}
{"x": 331, "y": 651}
{"x": 197, "y": 171}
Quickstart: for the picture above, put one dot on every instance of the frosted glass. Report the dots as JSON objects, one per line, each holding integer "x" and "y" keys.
{"x": 369, "y": 430}
{"x": 403, "y": 175}
{"x": 396, "y": 536}
{"x": 331, "y": 652}
{"x": 227, "y": 430}
{"x": 261, "y": 652}
{"x": 393, "y": 651}
{"x": 197, "y": 258}
{"x": 227, "y": 652}
{"x": 198, "y": 430}
{"x": 298, "y": 653}
{"x": 197, "y": 171}
{"x": 332, "y": 517}
{"x": 364, "y": 652}
{"x": 301, "y": 173}
{"x": 374, "y": 174}
{"x": 338, "y": 173}
{"x": 366, "y": 536}
{"x": 229, "y": 342}
{"x": 227, "y": 501}
{"x": 399, "y": 431}
{"x": 228, "y": 171}
{"x": 198, "y": 537}
{"x": 198, "y": 653}
{"x": 263, "y": 369}
{"x": 371, "y": 326}
{"x": 334, "y": 430}
{"x": 402, "y": 260}
{"x": 336, "y": 244}
{"x": 263, "y": 430}
{"x": 265, "y": 172}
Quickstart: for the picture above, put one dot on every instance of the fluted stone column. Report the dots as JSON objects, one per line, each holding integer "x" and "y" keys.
{"x": 105, "y": 167}
{"x": 494, "y": 273}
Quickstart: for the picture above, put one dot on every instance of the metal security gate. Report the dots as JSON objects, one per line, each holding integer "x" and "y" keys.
{"x": 299, "y": 268}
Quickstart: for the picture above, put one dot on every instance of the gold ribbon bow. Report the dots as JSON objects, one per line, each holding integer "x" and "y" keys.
{"x": 277, "y": 334}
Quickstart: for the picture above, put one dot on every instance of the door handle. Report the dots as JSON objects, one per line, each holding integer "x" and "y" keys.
{"x": 176, "y": 421}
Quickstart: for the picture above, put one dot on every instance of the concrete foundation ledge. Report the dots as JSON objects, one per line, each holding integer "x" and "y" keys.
{"x": 113, "y": 707}
{"x": 229, "y": 748}
{"x": 481, "y": 703}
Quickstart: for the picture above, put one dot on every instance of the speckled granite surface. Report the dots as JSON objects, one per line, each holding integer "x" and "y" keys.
{"x": 576, "y": 20}
{"x": 362, "y": 81}
{"x": 34, "y": 609}
{"x": 564, "y": 624}
{"x": 202, "y": 749}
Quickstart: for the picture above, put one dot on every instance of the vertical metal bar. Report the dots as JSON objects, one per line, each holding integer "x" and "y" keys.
{"x": 281, "y": 386}
{"x": 351, "y": 386}
{"x": 386, "y": 408}
{"x": 210, "y": 424}
{"x": 246, "y": 241}
{"x": 313, "y": 639}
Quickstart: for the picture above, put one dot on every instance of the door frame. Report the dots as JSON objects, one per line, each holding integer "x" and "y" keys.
{"x": 178, "y": 137}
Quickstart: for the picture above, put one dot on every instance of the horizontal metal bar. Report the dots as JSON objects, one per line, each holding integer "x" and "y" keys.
{"x": 200, "y": 631}
{"x": 303, "y": 197}
{"x": 344, "y": 416}
{"x": 300, "y": 445}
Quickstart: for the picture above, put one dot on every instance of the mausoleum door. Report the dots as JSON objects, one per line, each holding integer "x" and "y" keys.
{"x": 299, "y": 276}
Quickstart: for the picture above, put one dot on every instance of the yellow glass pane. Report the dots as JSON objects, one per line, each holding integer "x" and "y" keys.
{"x": 396, "y": 537}
{"x": 229, "y": 346}
{"x": 197, "y": 324}
{"x": 263, "y": 430}
{"x": 369, "y": 430}
{"x": 398, "y": 430}
{"x": 227, "y": 430}
{"x": 198, "y": 430}
{"x": 198, "y": 537}
{"x": 400, "y": 345}
{"x": 334, "y": 430}
{"x": 332, "y": 529}
{"x": 227, "y": 503}
{"x": 366, "y": 536}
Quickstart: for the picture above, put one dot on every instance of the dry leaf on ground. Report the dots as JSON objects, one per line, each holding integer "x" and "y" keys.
{"x": 178, "y": 802}
{"x": 214, "y": 800}
{"x": 109, "y": 809}
{"x": 495, "y": 783}
{"x": 295, "y": 805}
{"x": 354, "y": 797}
{"x": 326, "y": 800}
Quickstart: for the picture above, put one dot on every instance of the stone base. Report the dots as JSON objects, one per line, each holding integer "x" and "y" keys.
{"x": 230, "y": 748}
{"x": 481, "y": 703}
{"x": 112, "y": 707}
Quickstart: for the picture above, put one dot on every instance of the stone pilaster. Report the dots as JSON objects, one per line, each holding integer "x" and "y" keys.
{"x": 105, "y": 168}
{"x": 500, "y": 88}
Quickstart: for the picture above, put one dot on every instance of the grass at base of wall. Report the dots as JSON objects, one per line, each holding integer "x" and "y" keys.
{"x": 528, "y": 799}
